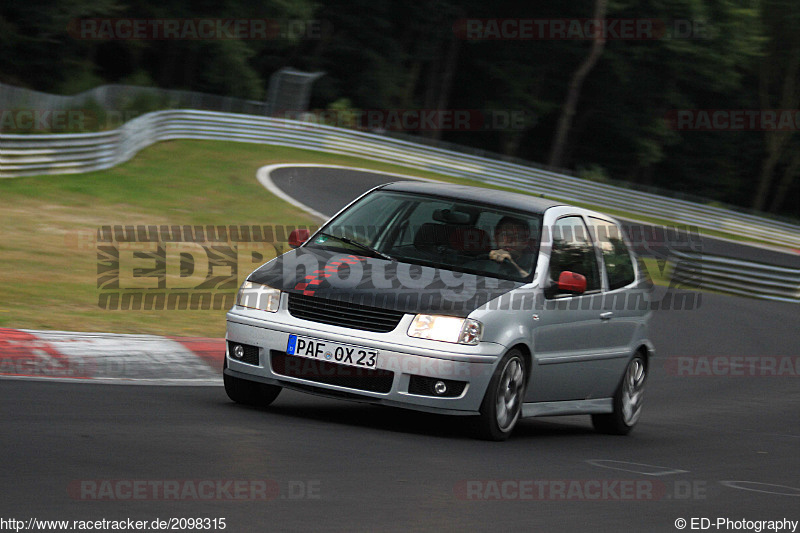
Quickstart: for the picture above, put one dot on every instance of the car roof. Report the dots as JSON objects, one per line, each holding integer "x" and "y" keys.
{"x": 494, "y": 197}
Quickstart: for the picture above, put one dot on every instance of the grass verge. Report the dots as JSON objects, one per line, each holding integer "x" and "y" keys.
{"x": 50, "y": 261}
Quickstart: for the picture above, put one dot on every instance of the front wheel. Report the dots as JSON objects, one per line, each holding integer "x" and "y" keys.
{"x": 627, "y": 401}
{"x": 502, "y": 405}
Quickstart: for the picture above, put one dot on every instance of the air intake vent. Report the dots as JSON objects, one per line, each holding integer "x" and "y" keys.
{"x": 344, "y": 314}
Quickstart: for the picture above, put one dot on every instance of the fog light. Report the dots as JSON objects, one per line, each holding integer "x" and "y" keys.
{"x": 439, "y": 388}
{"x": 238, "y": 351}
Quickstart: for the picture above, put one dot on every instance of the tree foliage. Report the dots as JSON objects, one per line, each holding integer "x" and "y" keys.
{"x": 381, "y": 54}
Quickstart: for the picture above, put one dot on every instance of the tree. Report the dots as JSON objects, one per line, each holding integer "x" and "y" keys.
{"x": 779, "y": 88}
{"x": 574, "y": 88}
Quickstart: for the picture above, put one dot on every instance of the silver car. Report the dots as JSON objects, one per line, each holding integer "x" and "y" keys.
{"x": 451, "y": 299}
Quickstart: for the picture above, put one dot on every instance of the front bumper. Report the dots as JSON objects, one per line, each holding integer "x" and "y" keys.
{"x": 405, "y": 357}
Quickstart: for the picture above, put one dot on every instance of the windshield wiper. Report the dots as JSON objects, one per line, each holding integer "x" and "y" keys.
{"x": 357, "y": 244}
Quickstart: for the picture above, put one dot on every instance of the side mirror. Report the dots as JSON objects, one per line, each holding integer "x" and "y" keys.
{"x": 298, "y": 237}
{"x": 572, "y": 282}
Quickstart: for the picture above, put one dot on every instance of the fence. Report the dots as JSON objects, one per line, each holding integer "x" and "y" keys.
{"x": 24, "y": 155}
{"x": 121, "y": 97}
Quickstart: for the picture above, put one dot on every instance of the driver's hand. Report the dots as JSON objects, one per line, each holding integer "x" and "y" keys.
{"x": 500, "y": 255}
{"x": 503, "y": 255}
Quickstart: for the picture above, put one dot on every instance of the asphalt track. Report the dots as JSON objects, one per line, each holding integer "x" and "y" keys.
{"x": 711, "y": 443}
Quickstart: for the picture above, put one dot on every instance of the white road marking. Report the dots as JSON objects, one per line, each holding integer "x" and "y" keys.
{"x": 638, "y": 468}
{"x": 754, "y": 486}
{"x": 264, "y": 177}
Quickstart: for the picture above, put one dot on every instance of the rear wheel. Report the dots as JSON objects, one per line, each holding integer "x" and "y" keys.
{"x": 249, "y": 392}
{"x": 627, "y": 400}
{"x": 502, "y": 405}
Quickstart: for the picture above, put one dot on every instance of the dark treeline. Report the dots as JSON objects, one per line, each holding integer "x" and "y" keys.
{"x": 606, "y": 109}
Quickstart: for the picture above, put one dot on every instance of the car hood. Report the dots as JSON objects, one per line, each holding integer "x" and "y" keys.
{"x": 380, "y": 283}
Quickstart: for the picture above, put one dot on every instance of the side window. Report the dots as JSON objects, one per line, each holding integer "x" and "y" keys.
{"x": 573, "y": 251}
{"x": 617, "y": 257}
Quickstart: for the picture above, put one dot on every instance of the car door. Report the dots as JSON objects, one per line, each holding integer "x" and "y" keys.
{"x": 565, "y": 333}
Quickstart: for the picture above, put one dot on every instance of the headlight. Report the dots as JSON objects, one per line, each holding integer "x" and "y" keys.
{"x": 446, "y": 329}
{"x": 258, "y": 296}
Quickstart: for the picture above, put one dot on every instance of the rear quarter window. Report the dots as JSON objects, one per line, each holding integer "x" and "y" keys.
{"x": 616, "y": 255}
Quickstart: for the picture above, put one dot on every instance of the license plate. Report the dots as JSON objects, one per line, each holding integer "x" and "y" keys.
{"x": 333, "y": 352}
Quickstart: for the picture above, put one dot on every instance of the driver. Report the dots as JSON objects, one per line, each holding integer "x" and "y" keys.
{"x": 513, "y": 240}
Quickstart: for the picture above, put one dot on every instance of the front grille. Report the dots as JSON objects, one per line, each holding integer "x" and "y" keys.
{"x": 344, "y": 314}
{"x": 250, "y": 353}
{"x": 364, "y": 379}
{"x": 424, "y": 386}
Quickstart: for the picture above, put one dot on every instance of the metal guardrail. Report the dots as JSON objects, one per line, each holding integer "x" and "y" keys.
{"x": 25, "y": 155}
{"x": 735, "y": 276}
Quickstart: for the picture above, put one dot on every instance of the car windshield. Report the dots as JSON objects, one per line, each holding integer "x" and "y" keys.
{"x": 444, "y": 233}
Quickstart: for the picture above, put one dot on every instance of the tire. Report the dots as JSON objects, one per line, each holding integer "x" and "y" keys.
{"x": 248, "y": 392}
{"x": 502, "y": 405}
{"x": 627, "y": 400}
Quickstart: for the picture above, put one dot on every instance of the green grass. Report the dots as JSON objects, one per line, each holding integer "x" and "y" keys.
{"x": 177, "y": 177}
{"x": 50, "y": 263}
{"x": 658, "y": 270}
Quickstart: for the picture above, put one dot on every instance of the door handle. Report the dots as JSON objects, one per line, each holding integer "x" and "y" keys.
{"x": 606, "y": 316}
